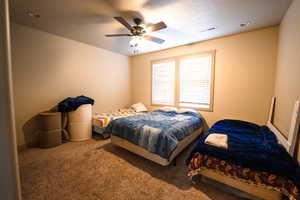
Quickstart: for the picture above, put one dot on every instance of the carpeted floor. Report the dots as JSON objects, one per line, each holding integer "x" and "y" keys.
{"x": 97, "y": 170}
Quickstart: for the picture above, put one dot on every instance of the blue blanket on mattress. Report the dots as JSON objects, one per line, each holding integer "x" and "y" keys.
{"x": 251, "y": 146}
{"x": 158, "y": 132}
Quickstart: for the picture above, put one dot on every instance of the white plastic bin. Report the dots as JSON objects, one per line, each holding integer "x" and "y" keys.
{"x": 80, "y": 131}
{"x": 80, "y": 123}
{"x": 81, "y": 114}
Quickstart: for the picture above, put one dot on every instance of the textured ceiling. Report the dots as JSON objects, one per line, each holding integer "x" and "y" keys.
{"x": 89, "y": 20}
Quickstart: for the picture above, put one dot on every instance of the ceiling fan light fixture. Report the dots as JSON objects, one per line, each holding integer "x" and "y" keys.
{"x": 138, "y": 31}
{"x": 135, "y": 41}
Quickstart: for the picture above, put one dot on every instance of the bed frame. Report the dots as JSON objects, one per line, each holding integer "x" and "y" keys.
{"x": 289, "y": 143}
{"x": 154, "y": 157}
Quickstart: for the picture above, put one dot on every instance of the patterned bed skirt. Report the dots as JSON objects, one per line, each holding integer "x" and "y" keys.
{"x": 201, "y": 162}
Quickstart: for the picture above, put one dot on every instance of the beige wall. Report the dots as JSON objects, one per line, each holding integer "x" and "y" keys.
{"x": 287, "y": 85}
{"x": 244, "y": 74}
{"x": 48, "y": 68}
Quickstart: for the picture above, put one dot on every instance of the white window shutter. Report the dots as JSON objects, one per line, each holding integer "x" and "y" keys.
{"x": 195, "y": 81}
{"x": 163, "y": 83}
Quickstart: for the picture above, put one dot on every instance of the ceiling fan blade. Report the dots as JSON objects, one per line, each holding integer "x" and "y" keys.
{"x": 153, "y": 39}
{"x": 156, "y": 27}
{"x": 124, "y": 22}
{"x": 117, "y": 35}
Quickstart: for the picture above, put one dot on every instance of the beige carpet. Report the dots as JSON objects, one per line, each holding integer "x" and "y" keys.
{"x": 97, "y": 170}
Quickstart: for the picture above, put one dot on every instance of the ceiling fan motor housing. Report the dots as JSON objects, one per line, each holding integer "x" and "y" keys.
{"x": 137, "y": 30}
{"x": 137, "y": 21}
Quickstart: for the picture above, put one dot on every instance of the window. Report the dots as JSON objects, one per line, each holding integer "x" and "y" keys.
{"x": 163, "y": 83}
{"x": 195, "y": 81}
{"x": 185, "y": 81}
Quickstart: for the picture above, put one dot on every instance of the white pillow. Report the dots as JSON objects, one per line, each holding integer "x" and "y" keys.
{"x": 139, "y": 107}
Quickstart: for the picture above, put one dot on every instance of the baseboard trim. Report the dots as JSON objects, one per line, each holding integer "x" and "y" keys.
{"x": 21, "y": 147}
{"x": 26, "y": 146}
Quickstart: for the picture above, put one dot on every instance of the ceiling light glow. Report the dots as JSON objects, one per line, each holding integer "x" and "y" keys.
{"x": 136, "y": 43}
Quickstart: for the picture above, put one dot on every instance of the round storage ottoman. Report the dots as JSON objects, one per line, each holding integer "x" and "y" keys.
{"x": 50, "y": 129}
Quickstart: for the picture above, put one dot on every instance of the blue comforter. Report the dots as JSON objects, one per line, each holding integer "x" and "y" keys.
{"x": 251, "y": 146}
{"x": 158, "y": 132}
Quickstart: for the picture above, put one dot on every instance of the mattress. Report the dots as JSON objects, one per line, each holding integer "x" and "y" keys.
{"x": 154, "y": 157}
{"x": 158, "y": 132}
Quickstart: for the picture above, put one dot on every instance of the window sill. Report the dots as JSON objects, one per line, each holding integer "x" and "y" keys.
{"x": 198, "y": 108}
{"x": 204, "y": 108}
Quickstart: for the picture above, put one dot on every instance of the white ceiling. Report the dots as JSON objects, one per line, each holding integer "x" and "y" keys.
{"x": 89, "y": 20}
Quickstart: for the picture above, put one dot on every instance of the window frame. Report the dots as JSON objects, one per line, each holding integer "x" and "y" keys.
{"x": 177, "y": 59}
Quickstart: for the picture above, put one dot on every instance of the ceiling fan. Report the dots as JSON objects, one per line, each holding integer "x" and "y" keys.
{"x": 138, "y": 31}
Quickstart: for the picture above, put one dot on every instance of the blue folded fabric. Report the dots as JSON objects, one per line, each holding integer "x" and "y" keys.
{"x": 70, "y": 104}
{"x": 251, "y": 146}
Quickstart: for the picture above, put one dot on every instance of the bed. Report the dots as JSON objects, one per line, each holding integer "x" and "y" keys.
{"x": 159, "y": 135}
{"x": 258, "y": 159}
